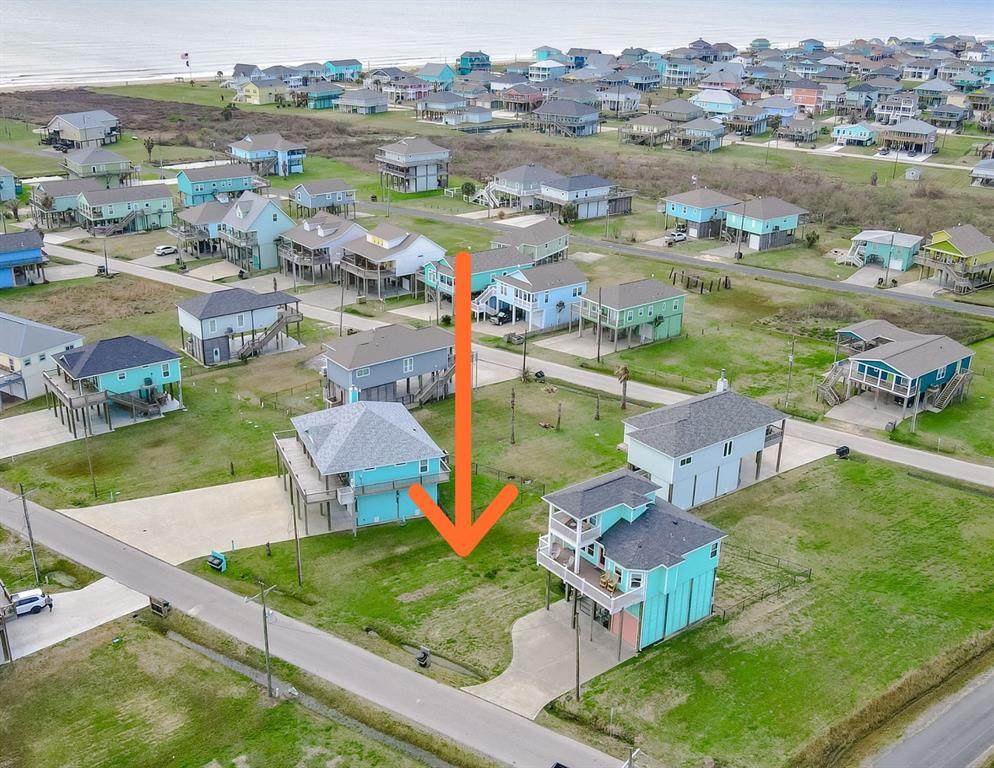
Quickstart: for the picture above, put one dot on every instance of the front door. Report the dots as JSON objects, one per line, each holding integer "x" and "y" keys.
{"x": 216, "y": 354}
{"x": 600, "y": 558}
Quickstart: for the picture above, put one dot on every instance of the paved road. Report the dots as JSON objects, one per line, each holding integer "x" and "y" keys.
{"x": 957, "y": 733}
{"x": 456, "y": 715}
{"x": 688, "y": 260}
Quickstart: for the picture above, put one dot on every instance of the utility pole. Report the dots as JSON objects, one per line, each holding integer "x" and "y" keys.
{"x": 27, "y": 527}
{"x": 296, "y": 544}
{"x": 524, "y": 356}
{"x": 341, "y": 305}
{"x": 89, "y": 456}
{"x": 576, "y": 625}
{"x": 512, "y": 415}
{"x": 600, "y": 310}
{"x": 790, "y": 370}
{"x": 261, "y": 597}
{"x": 890, "y": 255}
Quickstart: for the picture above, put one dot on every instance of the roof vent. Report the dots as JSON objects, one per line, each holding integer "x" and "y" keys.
{"x": 722, "y": 385}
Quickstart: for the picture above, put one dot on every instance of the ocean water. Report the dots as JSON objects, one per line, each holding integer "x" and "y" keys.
{"x": 48, "y": 42}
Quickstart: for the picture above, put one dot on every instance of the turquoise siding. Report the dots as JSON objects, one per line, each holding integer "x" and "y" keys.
{"x": 692, "y": 213}
{"x": 677, "y": 597}
{"x": 133, "y": 379}
{"x": 7, "y": 187}
{"x": 480, "y": 279}
{"x": 16, "y": 259}
{"x": 761, "y": 226}
{"x": 939, "y": 376}
{"x": 194, "y": 193}
{"x": 896, "y": 257}
{"x": 667, "y": 314}
{"x": 393, "y": 504}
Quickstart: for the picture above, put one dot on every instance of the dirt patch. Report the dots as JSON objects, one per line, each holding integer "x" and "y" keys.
{"x": 75, "y": 307}
{"x": 655, "y": 707}
{"x": 418, "y": 594}
{"x": 773, "y": 618}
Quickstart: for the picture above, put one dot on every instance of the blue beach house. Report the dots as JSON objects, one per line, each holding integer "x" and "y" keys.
{"x": 322, "y": 95}
{"x": 893, "y": 250}
{"x": 763, "y": 223}
{"x": 645, "y": 568}
{"x": 8, "y": 185}
{"x": 473, "y": 61}
{"x": 22, "y": 261}
{"x": 355, "y": 464}
{"x": 269, "y": 154}
{"x": 439, "y": 75}
{"x": 343, "y": 69}
{"x": 700, "y": 211}
{"x": 860, "y": 134}
{"x": 111, "y": 382}
{"x": 487, "y": 266}
{"x": 541, "y": 296}
{"x": 249, "y": 232}
{"x": 217, "y": 182}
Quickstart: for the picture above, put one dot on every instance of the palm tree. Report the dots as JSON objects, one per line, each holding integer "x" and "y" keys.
{"x": 623, "y": 375}
{"x": 149, "y": 144}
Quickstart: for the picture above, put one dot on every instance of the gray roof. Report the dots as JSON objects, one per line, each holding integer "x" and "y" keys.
{"x": 320, "y": 231}
{"x": 702, "y": 197}
{"x": 214, "y": 172}
{"x": 232, "y": 301}
{"x": 703, "y": 124}
{"x": 20, "y": 241}
{"x": 747, "y": 111}
{"x": 528, "y": 174}
{"x": 984, "y": 168}
{"x": 110, "y": 355}
{"x": 366, "y": 97}
{"x": 20, "y": 337}
{"x": 680, "y": 106}
{"x": 601, "y": 493}
{"x": 776, "y": 102}
{"x": 322, "y": 87}
{"x": 918, "y": 356}
{"x": 912, "y": 126}
{"x": 211, "y": 212}
{"x": 324, "y": 186}
{"x": 955, "y": 109}
{"x": 272, "y": 142}
{"x": 501, "y": 257}
{"x": 88, "y": 118}
{"x": 251, "y": 206}
{"x": 881, "y": 331}
{"x": 539, "y": 233}
{"x": 578, "y": 182}
{"x": 69, "y": 187}
{"x": 362, "y": 435}
{"x": 690, "y": 425}
{"x": 903, "y": 239}
{"x": 413, "y": 145}
{"x": 95, "y": 156}
{"x": 652, "y": 121}
{"x": 387, "y": 342}
{"x": 546, "y": 277}
{"x": 345, "y": 62}
{"x": 443, "y": 97}
{"x": 126, "y": 194}
{"x": 662, "y": 535}
{"x": 565, "y": 108}
{"x": 969, "y": 240}
{"x": 433, "y": 70}
{"x": 936, "y": 84}
{"x": 636, "y": 293}
{"x": 244, "y": 70}
{"x": 5, "y": 171}
{"x": 769, "y": 208}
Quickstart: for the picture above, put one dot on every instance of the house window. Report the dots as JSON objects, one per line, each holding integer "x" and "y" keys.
{"x": 165, "y": 369}
{"x": 25, "y": 362}
{"x": 676, "y": 304}
{"x": 714, "y": 550}
{"x": 590, "y": 549}
{"x": 275, "y": 217}
{"x": 727, "y": 450}
{"x": 408, "y": 364}
{"x": 121, "y": 376}
{"x": 941, "y": 374}
{"x": 648, "y": 310}
{"x": 41, "y": 357}
{"x": 636, "y": 581}
{"x": 640, "y": 311}
{"x": 360, "y": 372}
{"x": 546, "y": 297}
{"x": 212, "y": 325}
{"x": 686, "y": 460}
{"x": 423, "y": 467}
{"x": 240, "y": 320}
{"x": 631, "y": 314}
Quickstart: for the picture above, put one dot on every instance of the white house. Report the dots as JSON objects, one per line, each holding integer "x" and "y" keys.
{"x": 26, "y": 349}
{"x": 387, "y": 260}
{"x": 704, "y": 447}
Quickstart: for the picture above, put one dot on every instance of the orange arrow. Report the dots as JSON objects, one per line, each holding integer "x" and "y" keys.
{"x": 465, "y": 533}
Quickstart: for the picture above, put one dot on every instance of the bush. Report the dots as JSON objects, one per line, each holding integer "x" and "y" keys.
{"x": 468, "y": 188}
{"x": 811, "y": 237}
{"x": 445, "y": 320}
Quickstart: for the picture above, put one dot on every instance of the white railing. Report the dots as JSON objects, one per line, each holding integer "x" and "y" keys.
{"x": 613, "y": 601}
{"x": 567, "y": 532}
{"x": 878, "y": 382}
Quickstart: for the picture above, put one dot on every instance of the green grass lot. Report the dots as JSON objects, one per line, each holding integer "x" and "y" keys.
{"x": 127, "y": 696}
{"x": 899, "y": 575}
{"x": 127, "y": 247}
{"x": 803, "y": 260}
{"x": 57, "y": 573}
{"x": 183, "y": 455}
{"x": 452, "y": 237}
{"x": 965, "y": 428}
{"x": 461, "y": 608}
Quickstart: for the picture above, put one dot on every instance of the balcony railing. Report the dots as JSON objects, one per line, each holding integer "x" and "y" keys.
{"x": 774, "y": 435}
{"x": 303, "y": 258}
{"x": 957, "y": 266}
{"x": 587, "y": 581}
{"x": 887, "y": 385}
{"x": 564, "y": 526}
{"x": 436, "y": 478}
{"x": 365, "y": 272}
{"x": 241, "y": 239}
{"x": 69, "y": 396}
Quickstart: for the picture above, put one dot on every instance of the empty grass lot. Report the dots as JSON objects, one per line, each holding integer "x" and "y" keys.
{"x": 899, "y": 576}
{"x": 405, "y": 582}
{"x": 17, "y": 571}
{"x": 125, "y": 695}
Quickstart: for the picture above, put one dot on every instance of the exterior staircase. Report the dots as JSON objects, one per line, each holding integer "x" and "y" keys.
{"x": 119, "y": 226}
{"x": 481, "y": 304}
{"x": 485, "y": 196}
{"x": 853, "y": 257}
{"x": 829, "y": 394}
{"x": 135, "y": 404}
{"x": 436, "y": 387}
{"x": 953, "y": 387}
{"x": 283, "y": 319}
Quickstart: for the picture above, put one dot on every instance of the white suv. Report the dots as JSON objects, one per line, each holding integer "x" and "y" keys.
{"x": 165, "y": 250}
{"x": 28, "y": 601}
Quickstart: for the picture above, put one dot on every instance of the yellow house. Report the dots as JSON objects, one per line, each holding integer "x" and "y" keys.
{"x": 962, "y": 257}
{"x": 263, "y": 91}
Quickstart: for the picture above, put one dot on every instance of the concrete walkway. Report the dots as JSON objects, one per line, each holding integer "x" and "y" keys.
{"x": 31, "y": 432}
{"x": 72, "y": 614}
{"x": 177, "y": 527}
{"x": 543, "y": 666}
{"x": 863, "y": 411}
{"x": 451, "y": 713}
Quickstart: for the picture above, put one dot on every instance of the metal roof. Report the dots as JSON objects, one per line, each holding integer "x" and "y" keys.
{"x": 701, "y": 421}
{"x": 702, "y": 197}
{"x": 20, "y": 337}
{"x": 217, "y": 172}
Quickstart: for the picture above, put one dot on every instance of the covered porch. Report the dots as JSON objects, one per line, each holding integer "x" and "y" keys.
{"x": 308, "y": 489}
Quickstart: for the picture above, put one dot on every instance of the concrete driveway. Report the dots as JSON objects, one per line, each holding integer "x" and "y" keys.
{"x": 216, "y": 271}
{"x": 177, "y": 527}
{"x": 572, "y": 344}
{"x": 867, "y": 275}
{"x": 31, "y": 432}
{"x": 863, "y": 411}
{"x": 543, "y": 666}
{"x": 60, "y": 272}
{"x": 73, "y": 613}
